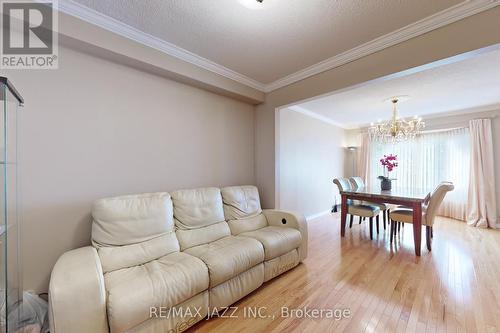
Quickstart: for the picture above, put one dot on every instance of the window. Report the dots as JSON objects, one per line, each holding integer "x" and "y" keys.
{"x": 428, "y": 160}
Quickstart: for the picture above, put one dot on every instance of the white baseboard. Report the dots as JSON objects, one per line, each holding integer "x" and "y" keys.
{"x": 315, "y": 216}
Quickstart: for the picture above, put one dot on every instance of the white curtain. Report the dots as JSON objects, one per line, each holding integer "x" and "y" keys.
{"x": 426, "y": 161}
{"x": 364, "y": 157}
{"x": 482, "y": 201}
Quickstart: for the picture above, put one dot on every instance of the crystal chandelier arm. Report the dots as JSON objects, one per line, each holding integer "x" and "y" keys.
{"x": 396, "y": 129}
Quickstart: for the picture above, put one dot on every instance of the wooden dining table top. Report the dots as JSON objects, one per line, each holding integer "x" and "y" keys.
{"x": 403, "y": 194}
{"x": 411, "y": 197}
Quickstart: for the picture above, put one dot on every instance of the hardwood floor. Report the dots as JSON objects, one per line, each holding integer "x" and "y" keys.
{"x": 454, "y": 288}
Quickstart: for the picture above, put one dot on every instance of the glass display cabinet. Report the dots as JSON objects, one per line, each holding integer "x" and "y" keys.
{"x": 10, "y": 263}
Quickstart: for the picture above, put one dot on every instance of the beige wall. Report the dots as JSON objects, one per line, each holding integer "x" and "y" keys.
{"x": 469, "y": 34}
{"x": 310, "y": 157}
{"x": 106, "y": 44}
{"x": 94, "y": 128}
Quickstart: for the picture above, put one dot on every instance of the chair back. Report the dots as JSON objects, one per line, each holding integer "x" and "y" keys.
{"x": 435, "y": 201}
{"x": 343, "y": 184}
{"x": 357, "y": 183}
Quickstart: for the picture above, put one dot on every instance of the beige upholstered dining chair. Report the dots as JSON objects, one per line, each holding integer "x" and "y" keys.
{"x": 358, "y": 209}
{"x": 357, "y": 183}
{"x": 429, "y": 210}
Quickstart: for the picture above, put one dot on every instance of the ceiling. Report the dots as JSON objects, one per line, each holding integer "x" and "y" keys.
{"x": 267, "y": 44}
{"x": 462, "y": 86}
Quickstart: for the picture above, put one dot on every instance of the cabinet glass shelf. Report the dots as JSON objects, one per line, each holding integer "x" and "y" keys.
{"x": 10, "y": 263}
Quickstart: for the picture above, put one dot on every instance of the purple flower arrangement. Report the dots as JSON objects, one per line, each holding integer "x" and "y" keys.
{"x": 389, "y": 162}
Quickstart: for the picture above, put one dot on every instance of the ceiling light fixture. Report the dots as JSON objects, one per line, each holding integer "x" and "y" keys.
{"x": 252, "y": 4}
{"x": 396, "y": 129}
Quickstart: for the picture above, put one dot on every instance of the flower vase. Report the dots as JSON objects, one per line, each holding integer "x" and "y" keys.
{"x": 389, "y": 162}
{"x": 386, "y": 184}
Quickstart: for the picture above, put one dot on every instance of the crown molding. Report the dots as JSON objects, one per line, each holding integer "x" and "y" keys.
{"x": 493, "y": 109}
{"x": 435, "y": 21}
{"x": 307, "y": 112}
{"x": 106, "y": 22}
{"x": 484, "y": 111}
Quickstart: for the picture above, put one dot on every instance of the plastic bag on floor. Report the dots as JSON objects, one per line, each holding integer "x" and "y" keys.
{"x": 33, "y": 317}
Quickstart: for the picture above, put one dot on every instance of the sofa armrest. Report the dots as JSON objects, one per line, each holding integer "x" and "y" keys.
{"x": 281, "y": 218}
{"x": 77, "y": 297}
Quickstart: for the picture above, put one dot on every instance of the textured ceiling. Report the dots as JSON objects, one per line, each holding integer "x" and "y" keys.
{"x": 267, "y": 44}
{"x": 455, "y": 87}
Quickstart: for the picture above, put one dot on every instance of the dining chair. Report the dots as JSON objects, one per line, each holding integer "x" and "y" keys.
{"x": 355, "y": 208}
{"x": 429, "y": 210}
{"x": 357, "y": 183}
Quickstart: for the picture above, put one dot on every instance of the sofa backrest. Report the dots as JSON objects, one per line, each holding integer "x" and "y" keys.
{"x": 133, "y": 229}
{"x": 199, "y": 216}
{"x": 242, "y": 208}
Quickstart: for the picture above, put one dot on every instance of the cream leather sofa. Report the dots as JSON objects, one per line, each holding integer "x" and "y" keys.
{"x": 191, "y": 251}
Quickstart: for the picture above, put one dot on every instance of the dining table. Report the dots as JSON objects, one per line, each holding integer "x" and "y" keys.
{"x": 412, "y": 198}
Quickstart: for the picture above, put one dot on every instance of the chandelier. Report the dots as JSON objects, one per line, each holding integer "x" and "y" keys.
{"x": 396, "y": 129}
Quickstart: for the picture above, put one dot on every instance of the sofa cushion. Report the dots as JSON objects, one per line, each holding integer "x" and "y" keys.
{"x": 133, "y": 229}
{"x": 247, "y": 224}
{"x": 177, "y": 319}
{"x": 131, "y": 219}
{"x": 276, "y": 240}
{"x": 117, "y": 257}
{"x": 228, "y": 257}
{"x": 165, "y": 282}
{"x": 197, "y": 208}
{"x": 199, "y": 216}
{"x": 241, "y": 202}
{"x": 203, "y": 235}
